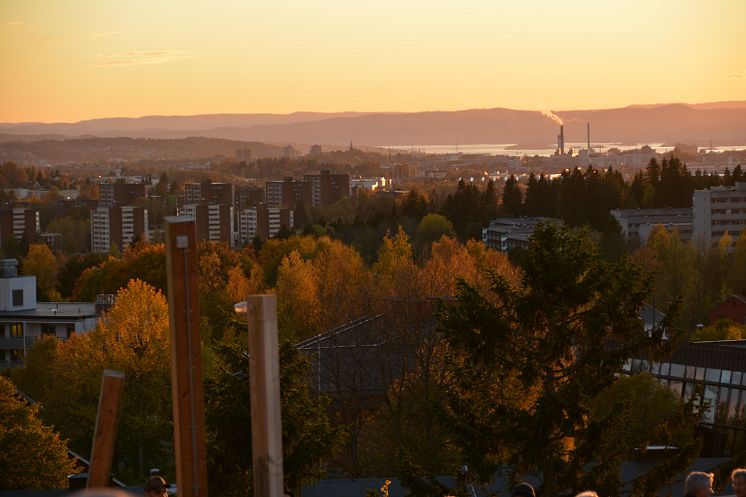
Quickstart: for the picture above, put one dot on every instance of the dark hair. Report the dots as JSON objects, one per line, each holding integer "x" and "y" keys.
{"x": 155, "y": 483}
{"x": 523, "y": 490}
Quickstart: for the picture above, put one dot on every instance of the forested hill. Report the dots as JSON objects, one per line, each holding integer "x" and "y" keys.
{"x": 100, "y": 149}
{"x": 723, "y": 123}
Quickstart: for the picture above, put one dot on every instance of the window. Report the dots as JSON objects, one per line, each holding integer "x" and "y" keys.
{"x": 18, "y": 297}
{"x": 70, "y": 329}
{"x": 690, "y": 372}
{"x": 736, "y": 378}
{"x": 700, "y": 375}
{"x": 725, "y": 378}
{"x": 2, "y": 334}
{"x": 677, "y": 370}
{"x": 16, "y": 329}
{"x": 2, "y": 356}
{"x": 16, "y": 355}
{"x": 48, "y": 329}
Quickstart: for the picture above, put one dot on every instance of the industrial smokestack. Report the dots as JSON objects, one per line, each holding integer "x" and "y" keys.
{"x": 562, "y": 140}
{"x": 589, "y": 138}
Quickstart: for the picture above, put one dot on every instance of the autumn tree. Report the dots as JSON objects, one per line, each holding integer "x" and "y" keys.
{"x": 430, "y": 229}
{"x": 32, "y": 456}
{"x": 673, "y": 263}
{"x": 144, "y": 261}
{"x": 132, "y": 337}
{"x": 343, "y": 284}
{"x": 395, "y": 275}
{"x": 298, "y": 303}
{"x": 75, "y": 230}
{"x": 41, "y": 262}
{"x": 527, "y": 360}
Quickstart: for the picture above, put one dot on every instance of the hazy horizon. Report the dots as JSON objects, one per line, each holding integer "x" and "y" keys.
{"x": 738, "y": 103}
{"x": 80, "y": 60}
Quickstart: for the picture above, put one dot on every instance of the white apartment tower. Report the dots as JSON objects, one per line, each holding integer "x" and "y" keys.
{"x": 264, "y": 222}
{"x": 117, "y": 226}
{"x": 718, "y": 210}
{"x": 214, "y": 222}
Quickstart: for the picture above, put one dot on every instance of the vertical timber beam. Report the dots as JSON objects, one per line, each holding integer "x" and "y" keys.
{"x": 264, "y": 374}
{"x": 186, "y": 366}
{"x": 105, "y": 433}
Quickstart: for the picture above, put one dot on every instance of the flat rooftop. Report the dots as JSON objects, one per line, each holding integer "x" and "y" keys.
{"x": 55, "y": 310}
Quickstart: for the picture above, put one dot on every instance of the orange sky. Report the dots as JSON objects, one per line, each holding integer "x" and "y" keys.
{"x": 81, "y": 59}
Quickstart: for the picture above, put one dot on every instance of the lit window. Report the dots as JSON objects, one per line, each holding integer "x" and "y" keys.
{"x": 16, "y": 329}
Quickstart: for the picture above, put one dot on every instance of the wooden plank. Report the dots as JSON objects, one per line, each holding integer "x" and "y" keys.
{"x": 264, "y": 375}
{"x": 105, "y": 433}
{"x": 186, "y": 366}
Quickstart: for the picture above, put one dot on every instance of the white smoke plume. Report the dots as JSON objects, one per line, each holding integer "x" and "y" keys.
{"x": 551, "y": 115}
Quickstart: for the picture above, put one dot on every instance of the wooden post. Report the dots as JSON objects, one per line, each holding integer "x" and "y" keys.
{"x": 264, "y": 374}
{"x": 186, "y": 366}
{"x": 105, "y": 433}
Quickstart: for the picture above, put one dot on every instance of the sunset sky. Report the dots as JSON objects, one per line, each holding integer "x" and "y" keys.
{"x": 79, "y": 59}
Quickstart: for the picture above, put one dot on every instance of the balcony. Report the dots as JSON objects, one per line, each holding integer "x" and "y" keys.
{"x": 17, "y": 343}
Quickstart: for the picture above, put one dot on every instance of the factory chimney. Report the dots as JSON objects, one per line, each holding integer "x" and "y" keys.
{"x": 589, "y": 138}
{"x": 562, "y": 140}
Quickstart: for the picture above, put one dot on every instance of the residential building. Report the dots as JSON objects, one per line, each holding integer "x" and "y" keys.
{"x": 264, "y": 222}
{"x": 315, "y": 150}
{"x": 288, "y": 193}
{"x": 243, "y": 154}
{"x": 636, "y": 224}
{"x": 249, "y": 196}
{"x": 120, "y": 193}
{"x": 508, "y": 233}
{"x": 214, "y": 222}
{"x": 118, "y": 225}
{"x": 718, "y": 369}
{"x": 327, "y": 188}
{"x": 23, "y": 320}
{"x": 368, "y": 184}
{"x": 19, "y": 222}
{"x": 403, "y": 171}
{"x": 52, "y": 240}
{"x": 289, "y": 152}
{"x": 207, "y": 192}
{"x": 718, "y": 210}
{"x": 733, "y": 308}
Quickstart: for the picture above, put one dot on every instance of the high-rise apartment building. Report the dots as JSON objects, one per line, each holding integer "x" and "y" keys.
{"x": 288, "y": 193}
{"x": 327, "y": 188}
{"x": 249, "y": 196}
{"x": 110, "y": 194}
{"x": 207, "y": 192}
{"x": 19, "y": 222}
{"x": 117, "y": 226}
{"x": 214, "y": 222}
{"x": 264, "y": 222}
{"x": 718, "y": 210}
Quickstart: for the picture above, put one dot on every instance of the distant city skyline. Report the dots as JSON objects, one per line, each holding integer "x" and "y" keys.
{"x": 85, "y": 59}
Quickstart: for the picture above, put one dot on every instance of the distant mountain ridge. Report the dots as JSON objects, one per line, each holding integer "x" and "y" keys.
{"x": 722, "y": 122}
